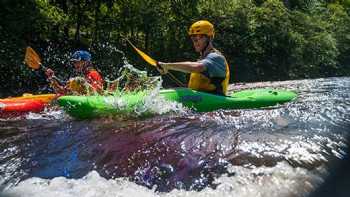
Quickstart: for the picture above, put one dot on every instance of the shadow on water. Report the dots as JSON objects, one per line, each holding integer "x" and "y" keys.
{"x": 185, "y": 151}
{"x": 167, "y": 151}
{"x": 337, "y": 183}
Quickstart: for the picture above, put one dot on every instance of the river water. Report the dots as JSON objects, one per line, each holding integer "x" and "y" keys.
{"x": 286, "y": 150}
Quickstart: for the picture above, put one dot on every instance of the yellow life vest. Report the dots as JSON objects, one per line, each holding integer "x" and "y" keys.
{"x": 78, "y": 86}
{"x": 200, "y": 82}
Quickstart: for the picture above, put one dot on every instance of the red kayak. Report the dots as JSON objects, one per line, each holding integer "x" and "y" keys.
{"x": 13, "y": 108}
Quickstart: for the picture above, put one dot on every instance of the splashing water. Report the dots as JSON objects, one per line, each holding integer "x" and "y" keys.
{"x": 133, "y": 81}
{"x": 130, "y": 81}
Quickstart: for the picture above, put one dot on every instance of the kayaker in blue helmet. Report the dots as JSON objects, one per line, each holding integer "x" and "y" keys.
{"x": 211, "y": 72}
{"x": 81, "y": 56}
{"x": 88, "y": 78}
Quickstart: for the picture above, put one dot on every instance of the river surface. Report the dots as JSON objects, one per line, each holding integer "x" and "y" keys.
{"x": 285, "y": 150}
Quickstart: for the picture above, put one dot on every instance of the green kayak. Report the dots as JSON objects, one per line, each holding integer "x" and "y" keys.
{"x": 84, "y": 107}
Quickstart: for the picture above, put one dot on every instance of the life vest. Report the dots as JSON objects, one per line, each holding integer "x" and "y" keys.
{"x": 94, "y": 79}
{"x": 91, "y": 82}
{"x": 78, "y": 86}
{"x": 214, "y": 85}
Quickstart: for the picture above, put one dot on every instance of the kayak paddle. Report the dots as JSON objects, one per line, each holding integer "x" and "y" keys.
{"x": 154, "y": 62}
{"x": 146, "y": 57}
{"x": 33, "y": 60}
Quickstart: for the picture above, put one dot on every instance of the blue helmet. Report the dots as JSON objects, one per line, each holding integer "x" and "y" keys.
{"x": 81, "y": 56}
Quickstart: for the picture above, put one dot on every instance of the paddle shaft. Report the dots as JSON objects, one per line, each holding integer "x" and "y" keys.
{"x": 33, "y": 60}
{"x": 154, "y": 62}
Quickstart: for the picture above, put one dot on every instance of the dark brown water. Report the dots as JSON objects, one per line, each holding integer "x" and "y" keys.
{"x": 282, "y": 151}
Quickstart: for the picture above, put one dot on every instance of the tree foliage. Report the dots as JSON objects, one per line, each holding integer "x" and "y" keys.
{"x": 262, "y": 39}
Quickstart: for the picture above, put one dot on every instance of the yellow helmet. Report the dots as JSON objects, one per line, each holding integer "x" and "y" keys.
{"x": 202, "y": 27}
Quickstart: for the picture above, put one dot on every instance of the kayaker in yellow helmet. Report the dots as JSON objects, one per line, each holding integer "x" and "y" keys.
{"x": 211, "y": 72}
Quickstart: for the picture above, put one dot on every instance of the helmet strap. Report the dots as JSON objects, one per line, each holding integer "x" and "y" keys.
{"x": 205, "y": 49}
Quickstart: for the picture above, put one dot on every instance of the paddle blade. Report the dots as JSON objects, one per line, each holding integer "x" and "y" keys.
{"x": 32, "y": 59}
{"x": 147, "y": 58}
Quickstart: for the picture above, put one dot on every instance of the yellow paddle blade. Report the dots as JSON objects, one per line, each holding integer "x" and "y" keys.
{"x": 32, "y": 59}
{"x": 153, "y": 62}
{"x": 147, "y": 58}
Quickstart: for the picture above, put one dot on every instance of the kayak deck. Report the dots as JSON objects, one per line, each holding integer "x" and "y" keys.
{"x": 46, "y": 98}
{"x": 17, "y": 106}
{"x": 245, "y": 99}
{"x": 83, "y": 107}
{"x": 13, "y": 108}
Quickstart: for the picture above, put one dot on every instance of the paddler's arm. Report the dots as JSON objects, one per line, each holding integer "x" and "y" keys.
{"x": 186, "y": 67}
{"x": 59, "y": 89}
{"x": 55, "y": 83}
